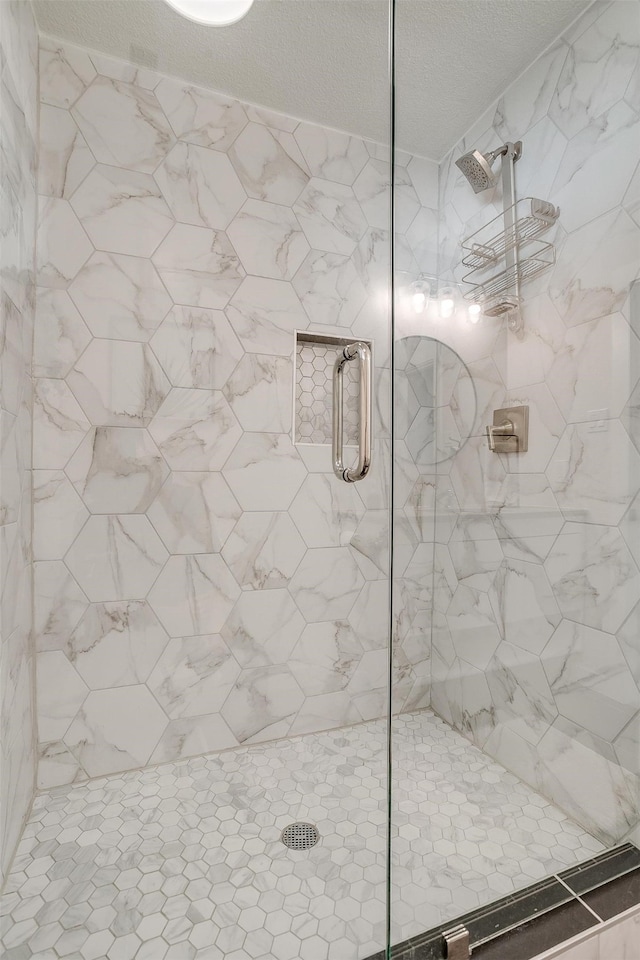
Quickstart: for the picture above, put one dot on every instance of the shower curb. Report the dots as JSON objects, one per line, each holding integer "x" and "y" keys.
{"x": 544, "y": 915}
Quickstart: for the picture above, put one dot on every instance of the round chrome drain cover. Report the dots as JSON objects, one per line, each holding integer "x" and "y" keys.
{"x": 300, "y": 836}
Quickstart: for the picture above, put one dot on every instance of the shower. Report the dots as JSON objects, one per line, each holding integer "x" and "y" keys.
{"x": 476, "y": 166}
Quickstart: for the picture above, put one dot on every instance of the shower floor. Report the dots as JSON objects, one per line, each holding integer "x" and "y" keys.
{"x": 184, "y": 860}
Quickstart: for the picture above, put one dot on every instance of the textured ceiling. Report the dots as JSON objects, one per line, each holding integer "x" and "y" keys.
{"x": 327, "y": 60}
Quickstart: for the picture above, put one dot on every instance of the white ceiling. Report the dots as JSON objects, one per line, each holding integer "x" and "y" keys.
{"x": 327, "y": 60}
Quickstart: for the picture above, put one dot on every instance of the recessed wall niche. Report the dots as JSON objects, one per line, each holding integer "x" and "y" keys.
{"x": 316, "y": 354}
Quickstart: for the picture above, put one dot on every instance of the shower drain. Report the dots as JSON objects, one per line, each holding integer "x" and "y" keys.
{"x": 300, "y": 836}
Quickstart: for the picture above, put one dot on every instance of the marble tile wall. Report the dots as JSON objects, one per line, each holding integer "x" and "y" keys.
{"x": 536, "y": 580}
{"x": 200, "y": 581}
{"x": 18, "y": 159}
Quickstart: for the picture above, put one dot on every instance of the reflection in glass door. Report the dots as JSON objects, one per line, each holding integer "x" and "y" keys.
{"x": 516, "y": 588}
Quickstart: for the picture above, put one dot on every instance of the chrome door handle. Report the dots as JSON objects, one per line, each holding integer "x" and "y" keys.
{"x": 352, "y": 474}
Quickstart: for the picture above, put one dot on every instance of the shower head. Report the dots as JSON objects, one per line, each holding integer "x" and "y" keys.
{"x": 476, "y": 167}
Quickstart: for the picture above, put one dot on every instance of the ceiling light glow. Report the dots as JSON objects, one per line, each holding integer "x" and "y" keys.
{"x": 216, "y": 13}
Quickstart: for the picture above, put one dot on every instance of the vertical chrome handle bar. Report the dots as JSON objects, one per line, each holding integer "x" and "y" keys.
{"x": 363, "y": 352}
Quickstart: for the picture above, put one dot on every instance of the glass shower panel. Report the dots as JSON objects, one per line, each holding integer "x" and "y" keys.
{"x": 211, "y": 600}
{"x": 516, "y": 583}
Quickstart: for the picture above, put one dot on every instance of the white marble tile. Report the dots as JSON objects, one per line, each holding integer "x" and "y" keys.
{"x": 526, "y": 102}
{"x": 12, "y": 362}
{"x": 193, "y": 676}
{"x": 324, "y": 712}
{"x": 331, "y": 154}
{"x": 58, "y": 514}
{"x": 65, "y": 72}
{"x": 132, "y": 398}
{"x": 116, "y": 729}
{"x": 56, "y": 765}
{"x": 369, "y": 615}
{"x": 595, "y": 266}
{"x": 525, "y": 510}
{"x": 330, "y": 216}
{"x": 200, "y": 116}
{"x": 198, "y": 266}
{"x": 266, "y": 170}
{"x": 263, "y": 628}
{"x": 424, "y": 177}
{"x": 264, "y": 471}
{"x": 116, "y": 644}
{"x": 604, "y": 153}
{"x": 60, "y": 694}
{"x": 473, "y": 626}
{"x": 11, "y": 468}
{"x": 264, "y": 314}
{"x": 594, "y": 370}
{"x": 193, "y": 736}
{"x": 63, "y": 245}
{"x": 329, "y": 289}
{"x": 268, "y": 239}
{"x": 58, "y": 605}
{"x": 470, "y": 704}
{"x": 194, "y": 512}
{"x": 626, "y": 746}
{"x": 521, "y": 693}
{"x": 116, "y": 557}
{"x": 60, "y": 335}
{"x": 195, "y": 429}
{"x": 197, "y": 348}
{"x": 475, "y": 562}
{"x": 620, "y": 940}
{"x": 200, "y": 186}
{"x": 422, "y": 237}
{"x": 117, "y": 470}
{"x": 123, "y": 124}
{"x": 574, "y": 769}
{"x": 525, "y": 605}
{"x": 260, "y": 699}
{"x": 630, "y": 529}
{"x": 65, "y": 158}
{"x": 326, "y": 584}
{"x": 259, "y": 393}
{"x": 541, "y": 162}
{"x": 595, "y": 472}
{"x": 593, "y": 576}
{"x": 263, "y": 550}
{"x": 326, "y": 511}
{"x": 122, "y": 211}
{"x": 590, "y": 679}
{"x": 120, "y": 297}
{"x": 58, "y": 424}
{"x": 125, "y": 71}
{"x": 370, "y": 544}
{"x": 597, "y": 70}
{"x": 477, "y": 475}
{"x": 194, "y": 595}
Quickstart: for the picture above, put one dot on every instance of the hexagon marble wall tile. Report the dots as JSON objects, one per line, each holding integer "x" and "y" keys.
{"x": 299, "y": 241}
{"x": 18, "y": 136}
{"x": 186, "y": 547}
{"x": 536, "y": 580}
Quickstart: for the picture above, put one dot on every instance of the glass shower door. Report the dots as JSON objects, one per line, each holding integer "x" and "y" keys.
{"x": 516, "y": 583}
